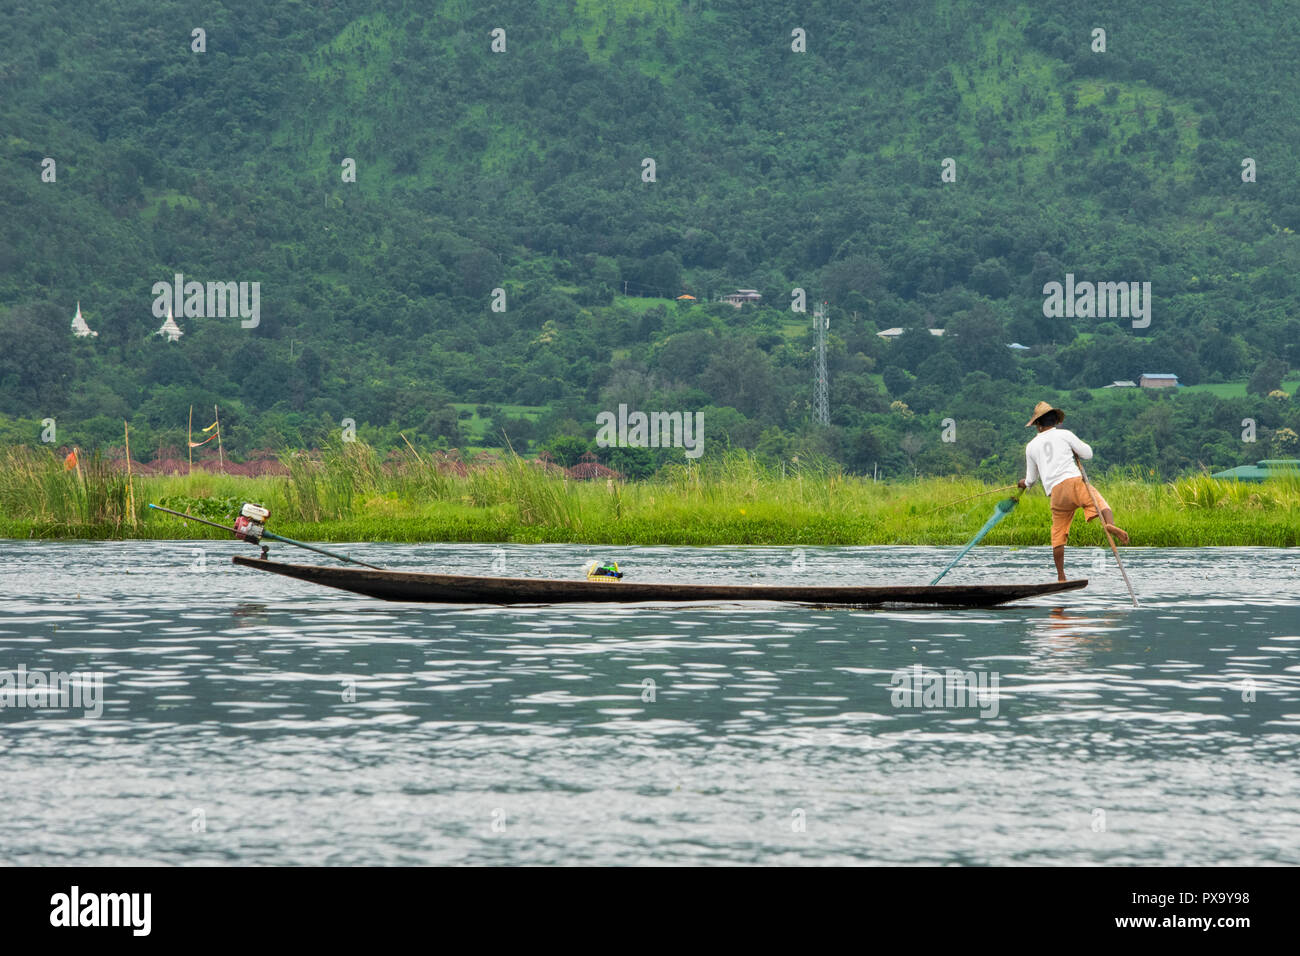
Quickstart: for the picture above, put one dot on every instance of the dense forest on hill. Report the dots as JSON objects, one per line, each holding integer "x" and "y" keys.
{"x": 524, "y": 170}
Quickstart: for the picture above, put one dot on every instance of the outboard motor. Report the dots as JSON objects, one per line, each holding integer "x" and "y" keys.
{"x": 251, "y": 522}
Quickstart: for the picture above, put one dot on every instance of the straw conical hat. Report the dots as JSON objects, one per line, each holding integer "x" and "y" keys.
{"x": 1041, "y": 409}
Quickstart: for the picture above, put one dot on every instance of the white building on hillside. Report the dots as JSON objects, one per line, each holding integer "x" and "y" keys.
{"x": 79, "y": 327}
{"x": 742, "y": 297}
{"x": 169, "y": 328}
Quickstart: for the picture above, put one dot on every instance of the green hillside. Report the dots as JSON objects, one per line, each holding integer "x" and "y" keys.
{"x": 523, "y": 170}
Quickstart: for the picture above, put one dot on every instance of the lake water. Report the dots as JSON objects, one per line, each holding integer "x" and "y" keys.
{"x": 253, "y": 719}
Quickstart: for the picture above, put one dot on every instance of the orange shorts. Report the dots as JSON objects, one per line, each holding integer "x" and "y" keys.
{"x": 1067, "y": 497}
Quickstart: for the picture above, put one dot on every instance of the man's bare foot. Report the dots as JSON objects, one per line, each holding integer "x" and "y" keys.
{"x": 1061, "y": 577}
{"x": 1118, "y": 532}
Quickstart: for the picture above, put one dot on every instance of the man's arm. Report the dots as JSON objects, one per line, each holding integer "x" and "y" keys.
{"x": 1077, "y": 444}
{"x": 1031, "y": 470}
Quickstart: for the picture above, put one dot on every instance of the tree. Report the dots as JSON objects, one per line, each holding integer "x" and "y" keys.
{"x": 860, "y": 450}
{"x": 442, "y": 427}
{"x": 662, "y": 275}
{"x": 567, "y": 450}
{"x": 632, "y": 463}
{"x": 911, "y": 444}
{"x": 991, "y": 278}
{"x": 897, "y": 381}
{"x": 1267, "y": 377}
{"x": 33, "y": 366}
{"x": 980, "y": 342}
{"x": 941, "y": 370}
{"x": 740, "y": 375}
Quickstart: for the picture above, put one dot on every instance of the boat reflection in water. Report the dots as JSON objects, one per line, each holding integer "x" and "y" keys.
{"x": 249, "y": 614}
{"x": 1062, "y": 633}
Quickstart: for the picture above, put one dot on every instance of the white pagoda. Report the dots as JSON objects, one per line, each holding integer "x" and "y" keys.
{"x": 169, "y": 328}
{"x": 79, "y": 327}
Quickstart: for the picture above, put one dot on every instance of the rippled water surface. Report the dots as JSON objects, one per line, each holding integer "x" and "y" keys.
{"x": 254, "y": 719}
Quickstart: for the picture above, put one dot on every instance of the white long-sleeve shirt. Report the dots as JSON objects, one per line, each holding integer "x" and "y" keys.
{"x": 1050, "y": 456}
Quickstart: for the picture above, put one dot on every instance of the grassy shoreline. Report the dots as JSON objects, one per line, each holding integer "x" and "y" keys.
{"x": 346, "y": 495}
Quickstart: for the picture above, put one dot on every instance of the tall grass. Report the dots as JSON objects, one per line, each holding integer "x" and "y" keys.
{"x": 1203, "y": 492}
{"x": 328, "y": 486}
{"x": 37, "y": 485}
{"x": 532, "y": 495}
{"x": 345, "y": 493}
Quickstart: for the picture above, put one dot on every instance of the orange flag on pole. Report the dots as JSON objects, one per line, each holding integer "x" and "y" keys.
{"x": 70, "y": 462}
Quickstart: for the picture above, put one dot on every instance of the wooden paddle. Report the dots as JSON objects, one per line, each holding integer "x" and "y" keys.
{"x": 1113, "y": 550}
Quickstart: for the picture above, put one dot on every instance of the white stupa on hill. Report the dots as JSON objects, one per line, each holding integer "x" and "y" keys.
{"x": 169, "y": 328}
{"x": 79, "y": 327}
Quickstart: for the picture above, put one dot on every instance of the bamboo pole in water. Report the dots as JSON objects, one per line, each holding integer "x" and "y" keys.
{"x": 1113, "y": 550}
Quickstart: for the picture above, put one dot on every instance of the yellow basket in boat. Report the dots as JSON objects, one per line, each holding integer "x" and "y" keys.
{"x": 604, "y": 573}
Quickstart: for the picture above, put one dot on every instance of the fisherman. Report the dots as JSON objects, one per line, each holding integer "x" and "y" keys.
{"x": 1050, "y": 455}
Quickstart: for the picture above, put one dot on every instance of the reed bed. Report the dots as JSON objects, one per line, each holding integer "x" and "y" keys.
{"x": 344, "y": 493}
{"x": 39, "y": 486}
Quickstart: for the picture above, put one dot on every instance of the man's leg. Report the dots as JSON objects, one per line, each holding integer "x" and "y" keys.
{"x": 1108, "y": 519}
{"x": 1061, "y": 519}
{"x": 1090, "y": 511}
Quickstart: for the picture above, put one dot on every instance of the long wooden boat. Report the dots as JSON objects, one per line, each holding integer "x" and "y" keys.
{"x": 463, "y": 589}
